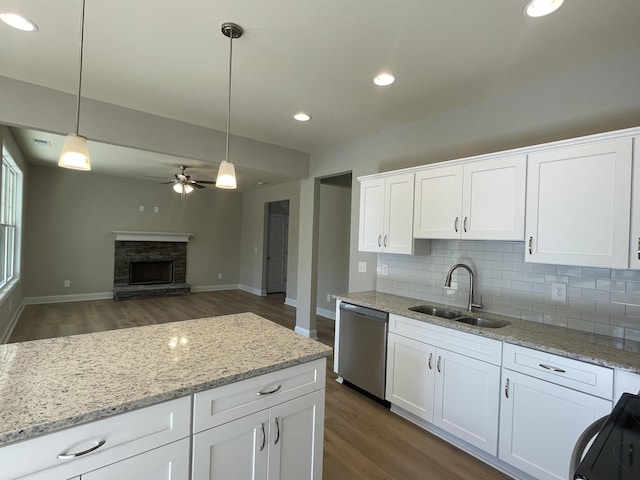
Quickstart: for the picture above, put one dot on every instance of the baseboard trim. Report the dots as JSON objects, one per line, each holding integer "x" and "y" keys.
{"x": 255, "y": 291}
{"x": 307, "y": 333}
{"x": 77, "y": 297}
{"x": 12, "y": 324}
{"x": 292, "y": 302}
{"x": 213, "y": 288}
{"x": 326, "y": 313}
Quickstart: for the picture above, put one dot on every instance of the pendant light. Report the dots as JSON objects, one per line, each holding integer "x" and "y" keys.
{"x": 75, "y": 153}
{"x": 227, "y": 172}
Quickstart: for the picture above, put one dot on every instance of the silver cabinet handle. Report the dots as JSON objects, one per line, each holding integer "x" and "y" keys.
{"x": 270, "y": 391}
{"x": 455, "y": 224}
{"x": 264, "y": 437}
{"x": 464, "y": 224}
{"x": 430, "y": 359}
{"x": 552, "y": 368}
{"x": 438, "y": 366}
{"x": 380, "y": 240}
{"x": 385, "y": 241}
{"x": 638, "y": 248}
{"x": 277, "y": 432}
{"x": 66, "y": 455}
{"x": 506, "y": 388}
{"x": 530, "y": 245}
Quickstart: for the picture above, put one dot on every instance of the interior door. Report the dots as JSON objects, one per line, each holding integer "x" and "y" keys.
{"x": 278, "y": 232}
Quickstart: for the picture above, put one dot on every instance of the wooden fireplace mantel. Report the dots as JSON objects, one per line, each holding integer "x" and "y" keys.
{"x": 133, "y": 236}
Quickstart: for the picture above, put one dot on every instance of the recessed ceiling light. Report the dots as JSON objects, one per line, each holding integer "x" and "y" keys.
{"x": 540, "y": 8}
{"x": 384, "y": 79}
{"x": 19, "y": 22}
{"x": 302, "y": 117}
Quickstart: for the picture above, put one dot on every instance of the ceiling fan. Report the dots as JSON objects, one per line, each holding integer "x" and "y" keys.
{"x": 183, "y": 183}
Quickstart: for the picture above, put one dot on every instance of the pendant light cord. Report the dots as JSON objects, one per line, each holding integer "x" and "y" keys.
{"x": 80, "y": 67}
{"x": 229, "y": 96}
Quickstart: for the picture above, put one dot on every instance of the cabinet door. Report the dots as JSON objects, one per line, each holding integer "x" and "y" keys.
{"x": 634, "y": 253}
{"x": 540, "y": 423}
{"x": 371, "y": 215}
{"x": 296, "y": 435}
{"x": 438, "y": 203}
{"x": 398, "y": 214}
{"x": 169, "y": 462}
{"x": 236, "y": 450}
{"x": 467, "y": 399}
{"x": 578, "y": 205}
{"x": 493, "y": 199}
{"x": 410, "y": 375}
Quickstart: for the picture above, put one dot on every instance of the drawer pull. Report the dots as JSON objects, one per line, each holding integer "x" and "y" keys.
{"x": 270, "y": 391}
{"x": 552, "y": 368}
{"x": 264, "y": 437}
{"x": 277, "y": 432}
{"x": 66, "y": 456}
{"x": 430, "y": 359}
{"x": 506, "y": 388}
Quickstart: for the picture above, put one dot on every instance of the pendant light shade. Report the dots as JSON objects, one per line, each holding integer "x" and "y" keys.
{"x": 226, "y": 176}
{"x": 227, "y": 172}
{"x": 75, "y": 152}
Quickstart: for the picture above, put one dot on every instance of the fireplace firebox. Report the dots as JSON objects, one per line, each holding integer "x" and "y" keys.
{"x": 150, "y": 272}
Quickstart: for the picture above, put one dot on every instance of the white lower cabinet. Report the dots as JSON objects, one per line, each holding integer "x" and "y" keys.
{"x": 169, "y": 462}
{"x": 451, "y": 389}
{"x": 282, "y": 442}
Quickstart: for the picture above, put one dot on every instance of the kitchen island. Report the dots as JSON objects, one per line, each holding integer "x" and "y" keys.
{"x": 56, "y": 386}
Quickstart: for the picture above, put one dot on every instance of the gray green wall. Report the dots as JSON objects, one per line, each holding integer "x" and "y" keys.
{"x": 70, "y": 217}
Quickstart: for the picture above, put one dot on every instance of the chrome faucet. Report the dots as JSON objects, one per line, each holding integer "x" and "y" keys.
{"x": 447, "y": 283}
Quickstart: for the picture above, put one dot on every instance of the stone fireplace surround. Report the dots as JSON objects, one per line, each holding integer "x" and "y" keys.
{"x": 149, "y": 247}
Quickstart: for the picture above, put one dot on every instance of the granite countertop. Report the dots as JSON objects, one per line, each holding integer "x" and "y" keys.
{"x": 51, "y": 384}
{"x": 584, "y": 346}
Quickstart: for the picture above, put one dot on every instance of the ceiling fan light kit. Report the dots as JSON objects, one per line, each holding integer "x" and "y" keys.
{"x": 227, "y": 172}
{"x": 75, "y": 151}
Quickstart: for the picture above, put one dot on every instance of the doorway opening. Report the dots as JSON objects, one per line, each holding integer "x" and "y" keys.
{"x": 277, "y": 246}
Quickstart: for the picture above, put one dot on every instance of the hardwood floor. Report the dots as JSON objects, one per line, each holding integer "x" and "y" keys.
{"x": 363, "y": 440}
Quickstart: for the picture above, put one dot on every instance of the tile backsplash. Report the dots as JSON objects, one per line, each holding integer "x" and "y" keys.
{"x": 599, "y": 300}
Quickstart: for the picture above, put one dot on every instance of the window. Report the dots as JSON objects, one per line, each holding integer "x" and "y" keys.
{"x": 10, "y": 214}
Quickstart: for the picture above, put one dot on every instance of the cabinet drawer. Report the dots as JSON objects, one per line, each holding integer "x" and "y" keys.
{"x": 124, "y": 435}
{"x": 223, "y": 404}
{"x": 581, "y": 376}
{"x": 474, "y": 346}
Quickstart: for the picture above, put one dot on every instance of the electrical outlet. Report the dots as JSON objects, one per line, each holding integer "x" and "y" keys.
{"x": 220, "y": 276}
{"x": 362, "y": 267}
{"x": 328, "y": 297}
{"x": 142, "y": 208}
{"x": 559, "y": 292}
{"x": 156, "y": 209}
{"x": 385, "y": 270}
{"x": 67, "y": 283}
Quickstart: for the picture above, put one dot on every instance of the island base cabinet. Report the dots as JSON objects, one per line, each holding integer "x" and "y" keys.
{"x": 169, "y": 462}
{"x": 466, "y": 403}
{"x": 540, "y": 423}
{"x": 283, "y": 442}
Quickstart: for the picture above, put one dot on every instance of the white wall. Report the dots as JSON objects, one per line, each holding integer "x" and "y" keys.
{"x": 252, "y": 240}
{"x": 70, "y": 217}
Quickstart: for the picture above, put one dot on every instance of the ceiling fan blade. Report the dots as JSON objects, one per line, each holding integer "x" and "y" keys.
{"x": 166, "y": 183}
{"x": 197, "y": 185}
{"x": 206, "y": 181}
{"x": 161, "y": 178}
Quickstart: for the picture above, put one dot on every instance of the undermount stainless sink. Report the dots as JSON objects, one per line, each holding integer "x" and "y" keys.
{"x": 458, "y": 316}
{"x": 482, "y": 322}
{"x": 435, "y": 311}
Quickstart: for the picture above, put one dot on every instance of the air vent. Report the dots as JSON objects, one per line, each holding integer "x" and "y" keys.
{"x": 42, "y": 143}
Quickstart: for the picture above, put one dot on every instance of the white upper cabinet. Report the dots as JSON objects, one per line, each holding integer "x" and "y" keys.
{"x": 480, "y": 200}
{"x": 386, "y": 214}
{"x": 634, "y": 253}
{"x": 578, "y": 205}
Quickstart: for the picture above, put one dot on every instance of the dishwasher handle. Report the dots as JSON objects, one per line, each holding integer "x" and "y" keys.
{"x": 365, "y": 312}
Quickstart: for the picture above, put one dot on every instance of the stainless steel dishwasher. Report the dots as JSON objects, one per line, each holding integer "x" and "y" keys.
{"x": 362, "y": 348}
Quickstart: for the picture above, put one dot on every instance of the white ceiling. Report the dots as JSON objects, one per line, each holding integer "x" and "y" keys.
{"x": 168, "y": 57}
